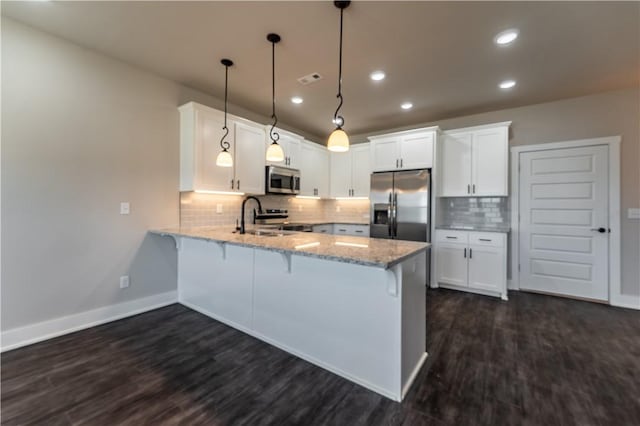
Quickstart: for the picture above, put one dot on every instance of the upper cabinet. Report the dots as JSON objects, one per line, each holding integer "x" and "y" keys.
{"x": 403, "y": 150}
{"x": 474, "y": 161}
{"x": 314, "y": 165}
{"x": 351, "y": 172}
{"x": 200, "y": 134}
{"x": 290, "y": 143}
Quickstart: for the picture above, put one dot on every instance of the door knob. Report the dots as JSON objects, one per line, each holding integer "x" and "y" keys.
{"x": 600, "y": 230}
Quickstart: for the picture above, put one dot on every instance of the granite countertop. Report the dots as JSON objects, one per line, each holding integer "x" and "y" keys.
{"x": 476, "y": 228}
{"x": 375, "y": 252}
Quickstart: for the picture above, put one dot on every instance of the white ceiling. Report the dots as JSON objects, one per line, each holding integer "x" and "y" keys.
{"x": 438, "y": 55}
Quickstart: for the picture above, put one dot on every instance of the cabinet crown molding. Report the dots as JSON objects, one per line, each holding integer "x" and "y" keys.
{"x": 405, "y": 132}
{"x": 480, "y": 127}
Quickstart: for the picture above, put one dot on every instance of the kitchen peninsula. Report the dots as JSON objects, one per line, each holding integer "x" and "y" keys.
{"x": 352, "y": 305}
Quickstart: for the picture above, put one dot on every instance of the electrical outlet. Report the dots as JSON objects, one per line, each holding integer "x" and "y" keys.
{"x": 633, "y": 213}
{"x": 124, "y": 281}
{"x": 124, "y": 207}
{"x": 219, "y": 208}
{"x": 338, "y": 209}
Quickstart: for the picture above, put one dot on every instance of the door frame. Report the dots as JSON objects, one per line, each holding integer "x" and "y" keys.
{"x": 616, "y": 298}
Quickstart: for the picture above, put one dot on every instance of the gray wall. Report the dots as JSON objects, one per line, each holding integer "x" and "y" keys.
{"x": 81, "y": 133}
{"x": 603, "y": 114}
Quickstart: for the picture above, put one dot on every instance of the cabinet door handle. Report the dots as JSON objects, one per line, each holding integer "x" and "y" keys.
{"x": 238, "y": 183}
{"x": 360, "y": 231}
{"x": 401, "y": 161}
{"x": 452, "y": 238}
{"x": 474, "y": 188}
{"x": 465, "y": 252}
{"x": 468, "y": 189}
{"x": 342, "y": 230}
{"x": 470, "y": 253}
{"x": 485, "y": 239}
{"x": 231, "y": 183}
{"x": 397, "y": 163}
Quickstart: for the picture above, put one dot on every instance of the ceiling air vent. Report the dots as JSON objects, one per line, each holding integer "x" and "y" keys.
{"x": 310, "y": 78}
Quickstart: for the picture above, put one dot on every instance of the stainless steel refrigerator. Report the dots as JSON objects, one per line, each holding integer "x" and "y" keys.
{"x": 401, "y": 206}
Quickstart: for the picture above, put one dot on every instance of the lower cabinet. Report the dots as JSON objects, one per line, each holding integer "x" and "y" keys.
{"x": 342, "y": 229}
{"x": 323, "y": 229}
{"x": 355, "y": 230}
{"x": 473, "y": 261}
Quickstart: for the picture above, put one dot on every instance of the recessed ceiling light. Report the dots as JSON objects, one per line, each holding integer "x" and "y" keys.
{"x": 377, "y": 75}
{"x": 507, "y": 84}
{"x": 297, "y": 100}
{"x": 506, "y": 37}
{"x": 406, "y": 105}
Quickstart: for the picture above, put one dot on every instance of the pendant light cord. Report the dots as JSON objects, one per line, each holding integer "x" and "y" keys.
{"x": 223, "y": 143}
{"x": 272, "y": 134}
{"x": 339, "y": 96}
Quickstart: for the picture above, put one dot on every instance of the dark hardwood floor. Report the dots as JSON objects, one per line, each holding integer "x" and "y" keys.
{"x": 535, "y": 360}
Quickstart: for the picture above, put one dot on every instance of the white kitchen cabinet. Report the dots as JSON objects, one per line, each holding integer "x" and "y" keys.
{"x": 200, "y": 134}
{"x": 323, "y": 229}
{"x": 350, "y": 229}
{"x": 360, "y": 170}
{"x": 472, "y": 261}
{"x": 451, "y": 264}
{"x": 474, "y": 161}
{"x": 490, "y": 162}
{"x": 290, "y": 144}
{"x": 455, "y": 167}
{"x": 249, "y": 162}
{"x": 350, "y": 172}
{"x": 314, "y": 170}
{"x": 403, "y": 150}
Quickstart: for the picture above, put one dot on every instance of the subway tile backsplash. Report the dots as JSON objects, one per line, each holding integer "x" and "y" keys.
{"x": 198, "y": 209}
{"x": 474, "y": 211}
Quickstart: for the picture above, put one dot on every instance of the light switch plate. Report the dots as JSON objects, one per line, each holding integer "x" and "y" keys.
{"x": 124, "y": 281}
{"x": 633, "y": 213}
{"x": 219, "y": 208}
{"x": 125, "y": 208}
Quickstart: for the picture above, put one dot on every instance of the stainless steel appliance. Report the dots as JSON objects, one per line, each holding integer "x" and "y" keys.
{"x": 282, "y": 180}
{"x": 401, "y": 206}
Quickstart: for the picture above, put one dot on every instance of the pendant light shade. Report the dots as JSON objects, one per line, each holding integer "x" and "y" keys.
{"x": 339, "y": 140}
{"x": 225, "y": 159}
{"x": 274, "y": 152}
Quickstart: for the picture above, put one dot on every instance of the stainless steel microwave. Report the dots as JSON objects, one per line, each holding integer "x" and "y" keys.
{"x": 282, "y": 180}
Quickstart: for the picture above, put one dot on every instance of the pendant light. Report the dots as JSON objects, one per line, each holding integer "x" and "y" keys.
{"x": 338, "y": 139}
{"x": 224, "y": 158}
{"x": 274, "y": 152}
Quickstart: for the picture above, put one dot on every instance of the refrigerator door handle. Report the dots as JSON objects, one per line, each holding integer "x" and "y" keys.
{"x": 389, "y": 217}
{"x": 395, "y": 214}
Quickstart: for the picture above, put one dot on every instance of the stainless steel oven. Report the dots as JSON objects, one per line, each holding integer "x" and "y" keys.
{"x": 282, "y": 180}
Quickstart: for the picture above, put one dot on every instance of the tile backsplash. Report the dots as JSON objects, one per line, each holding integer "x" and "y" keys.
{"x": 198, "y": 209}
{"x": 474, "y": 211}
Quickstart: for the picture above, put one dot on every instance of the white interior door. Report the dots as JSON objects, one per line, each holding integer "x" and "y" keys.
{"x": 563, "y": 205}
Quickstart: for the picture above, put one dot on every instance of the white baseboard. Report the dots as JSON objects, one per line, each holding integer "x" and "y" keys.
{"x": 625, "y": 301}
{"x": 27, "y": 335}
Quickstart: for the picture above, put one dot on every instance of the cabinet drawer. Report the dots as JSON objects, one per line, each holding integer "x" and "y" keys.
{"x": 446, "y": 236}
{"x": 491, "y": 239}
{"x": 323, "y": 229}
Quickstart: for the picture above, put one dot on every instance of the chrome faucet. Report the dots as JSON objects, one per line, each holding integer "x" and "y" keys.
{"x": 250, "y": 197}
